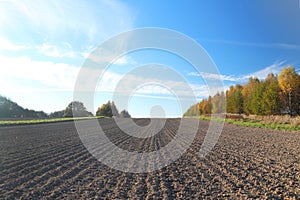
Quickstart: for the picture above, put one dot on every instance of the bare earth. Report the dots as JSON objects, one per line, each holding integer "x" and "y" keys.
{"x": 49, "y": 161}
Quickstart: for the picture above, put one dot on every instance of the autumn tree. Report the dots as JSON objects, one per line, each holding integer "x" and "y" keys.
{"x": 234, "y": 99}
{"x": 108, "y": 110}
{"x": 219, "y": 103}
{"x": 274, "y": 95}
{"x": 104, "y": 110}
{"x": 247, "y": 92}
{"x": 229, "y": 100}
{"x": 201, "y": 107}
{"x": 289, "y": 82}
{"x": 205, "y": 106}
{"x": 192, "y": 111}
{"x": 271, "y": 102}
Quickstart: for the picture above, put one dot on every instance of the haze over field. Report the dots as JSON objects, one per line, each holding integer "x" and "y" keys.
{"x": 44, "y": 44}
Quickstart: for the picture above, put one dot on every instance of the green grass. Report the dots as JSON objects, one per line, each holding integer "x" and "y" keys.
{"x": 258, "y": 124}
{"x": 39, "y": 121}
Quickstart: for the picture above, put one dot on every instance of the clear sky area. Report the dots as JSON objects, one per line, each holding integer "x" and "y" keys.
{"x": 44, "y": 44}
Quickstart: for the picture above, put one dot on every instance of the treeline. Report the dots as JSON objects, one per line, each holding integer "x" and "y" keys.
{"x": 110, "y": 110}
{"x": 10, "y": 109}
{"x": 77, "y": 109}
{"x": 272, "y": 96}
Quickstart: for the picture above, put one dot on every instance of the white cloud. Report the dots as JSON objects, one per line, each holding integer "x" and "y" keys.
{"x": 151, "y": 96}
{"x": 7, "y": 45}
{"x": 148, "y": 86}
{"x": 58, "y": 52}
{"x": 110, "y": 59}
{"x": 24, "y": 74}
{"x": 56, "y": 29}
{"x": 125, "y": 60}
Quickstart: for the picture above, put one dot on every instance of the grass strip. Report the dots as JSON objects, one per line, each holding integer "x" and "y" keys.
{"x": 39, "y": 121}
{"x": 254, "y": 124}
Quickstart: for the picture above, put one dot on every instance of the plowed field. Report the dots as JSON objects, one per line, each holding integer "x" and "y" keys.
{"x": 49, "y": 161}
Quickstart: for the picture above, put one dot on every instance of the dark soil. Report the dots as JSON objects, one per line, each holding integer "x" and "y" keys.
{"x": 49, "y": 161}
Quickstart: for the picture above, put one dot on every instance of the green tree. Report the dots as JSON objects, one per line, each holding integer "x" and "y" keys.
{"x": 125, "y": 114}
{"x": 57, "y": 114}
{"x": 76, "y": 109}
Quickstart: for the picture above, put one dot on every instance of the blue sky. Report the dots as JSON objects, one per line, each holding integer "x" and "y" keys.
{"x": 43, "y": 45}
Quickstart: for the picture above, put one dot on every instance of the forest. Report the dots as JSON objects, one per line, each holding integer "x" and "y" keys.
{"x": 275, "y": 95}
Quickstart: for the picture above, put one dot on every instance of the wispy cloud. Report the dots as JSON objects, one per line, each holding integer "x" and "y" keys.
{"x": 279, "y": 45}
{"x": 261, "y": 74}
{"x": 55, "y": 18}
{"x": 64, "y": 50}
{"x": 61, "y": 28}
{"x": 206, "y": 75}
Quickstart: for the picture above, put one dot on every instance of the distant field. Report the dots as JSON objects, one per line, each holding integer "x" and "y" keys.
{"x": 50, "y": 161}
